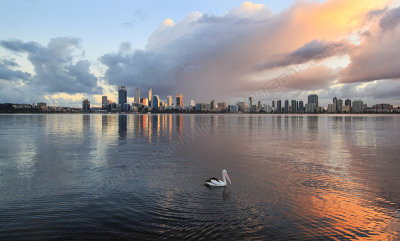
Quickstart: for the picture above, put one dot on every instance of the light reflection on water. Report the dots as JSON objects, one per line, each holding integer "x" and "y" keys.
{"x": 140, "y": 176}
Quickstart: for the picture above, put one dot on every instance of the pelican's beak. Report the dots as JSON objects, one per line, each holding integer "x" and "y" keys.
{"x": 227, "y": 177}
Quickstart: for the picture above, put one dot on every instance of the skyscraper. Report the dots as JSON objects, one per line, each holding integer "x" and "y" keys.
{"x": 294, "y": 106}
{"x": 212, "y": 105}
{"x": 137, "y": 96}
{"x": 156, "y": 102}
{"x": 169, "y": 100}
{"x": 339, "y": 105}
{"x": 301, "y": 106}
{"x": 150, "y": 95}
{"x": 279, "y": 106}
{"x": 313, "y": 99}
{"x": 286, "y": 106}
{"x": 179, "y": 100}
{"x": 104, "y": 101}
{"x": 85, "y": 105}
{"x": 251, "y": 101}
{"x": 122, "y": 95}
{"x": 358, "y": 106}
{"x": 347, "y": 102}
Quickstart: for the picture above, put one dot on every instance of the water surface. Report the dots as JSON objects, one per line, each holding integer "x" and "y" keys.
{"x": 122, "y": 177}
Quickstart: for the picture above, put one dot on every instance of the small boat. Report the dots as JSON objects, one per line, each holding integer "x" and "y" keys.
{"x": 215, "y": 182}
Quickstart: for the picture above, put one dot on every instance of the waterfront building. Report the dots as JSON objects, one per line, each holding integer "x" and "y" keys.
{"x": 213, "y": 105}
{"x": 278, "y": 106}
{"x": 222, "y": 106}
{"x": 311, "y": 108}
{"x": 294, "y": 106}
{"x": 202, "y": 107}
{"x": 251, "y": 101}
{"x": 233, "y": 108}
{"x": 104, "y": 101}
{"x": 156, "y": 102}
{"x": 85, "y": 105}
{"x": 192, "y": 103}
{"x": 179, "y": 100}
{"x": 267, "y": 108}
{"x": 286, "y": 106}
{"x": 137, "y": 96}
{"x": 339, "y": 105}
{"x": 331, "y": 108}
{"x": 301, "y": 106}
{"x": 313, "y": 99}
{"x": 383, "y": 108}
{"x": 122, "y": 95}
{"x": 346, "y": 109}
{"x": 126, "y": 107}
{"x": 347, "y": 103}
{"x": 259, "y": 105}
{"x": 335, "y": 103}
{"x": 358, "y": 106}
{"x": 169, "y": 100}
{"x": 150, "y": 96}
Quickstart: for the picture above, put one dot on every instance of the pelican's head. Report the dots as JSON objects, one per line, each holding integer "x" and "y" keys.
{"x": 225, "y": 174}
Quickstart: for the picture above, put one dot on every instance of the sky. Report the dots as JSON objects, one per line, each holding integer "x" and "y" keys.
{"x": 60, "y": 52}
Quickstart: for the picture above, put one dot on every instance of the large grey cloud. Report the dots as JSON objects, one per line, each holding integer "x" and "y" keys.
{"x": 54, "y": 66}
{"x": 8, "y": 73}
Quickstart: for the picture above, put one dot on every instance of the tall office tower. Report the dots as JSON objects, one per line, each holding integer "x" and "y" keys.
{"x": 339, "y": 105}
{"x": 294, "y": 106}
{"x": 347, "y": 102}
{"x": 179, "y": 100}
{"x": 192, "y": 103}
{"x": 286, "y": 106}
{"x": 313, "y": 99}
{"x": 122, "y": 95}
{"x": 251, "y": 101}
{"x": 213, "y": 105}
{"x": 150, "y": 95}
{"x": 169, "y": 100}
{"x": 335, "y": 103}
{"x": 85, "y": 105}
{"x": 301, "y": 106}
{"x": 137, "y": 96}
{"x": 279, "y": 106}
{"x": 259, "y": 105}
{"x": 104, "y": 101}
{"x": 156, "y": 102}
{"x": 273, "y": 104}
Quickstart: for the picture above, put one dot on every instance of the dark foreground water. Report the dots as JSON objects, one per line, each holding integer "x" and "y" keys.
{"x": 123, "y": 177}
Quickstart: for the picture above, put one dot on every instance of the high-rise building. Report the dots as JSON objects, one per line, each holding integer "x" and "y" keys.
{"x": 156, "y": 102}
{"x": 313, "y": 99}
{"x": 192, "y": 103}
{"x": 331, "y": 108}
{"x": 179, "y": 100}
{"x": 358, "y": 106}
{"x": 301, "y": 106}
{"x": 273, "y": 103}
{"x": 294, "y": 106}
{"x": 222, "y": 106}
{"x": 86, "y": 105}
{"x": 151, "y": 95}
{"x": 137, "y": 96}
{"x": 251, "y": 101}
{"x": 286, "y": 106}
{"x": 339, "y": 105}
{"x": 347, "y": 102}
{"x": 335, "y": 103}
{"x": 104, "y": 101}
{"x": 279, "y": 106}
{"x": 259, "y": 105}
{"x": 169, "y": 100}
{"x": 122, "y": 95}
{"x": 212, "y": 105}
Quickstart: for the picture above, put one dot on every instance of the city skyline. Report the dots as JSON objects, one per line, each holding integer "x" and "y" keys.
{"x": 206, "y": 51}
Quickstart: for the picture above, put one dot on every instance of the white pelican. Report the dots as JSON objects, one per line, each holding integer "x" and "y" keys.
{"x": 214, "y": 182}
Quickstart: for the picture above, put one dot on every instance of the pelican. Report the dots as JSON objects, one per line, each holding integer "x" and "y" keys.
{"x": 214, "y": 182}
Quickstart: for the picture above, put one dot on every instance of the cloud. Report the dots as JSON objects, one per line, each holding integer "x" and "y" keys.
{"x": 8, "y": 73}
{"x": 377, "y": 57}
{"x": 315, "y": 51}
{"x": 55, "y": 66}
{"x": 206, "y": 56}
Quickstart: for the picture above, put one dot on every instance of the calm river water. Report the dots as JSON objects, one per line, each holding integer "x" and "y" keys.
{"x": 123, "y": 177}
